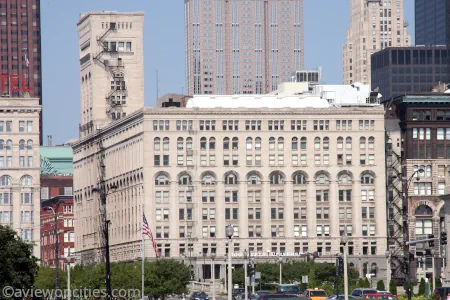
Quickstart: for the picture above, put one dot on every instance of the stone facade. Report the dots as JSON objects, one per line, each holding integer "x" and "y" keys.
{"x": 288, "y": 180}
{"x": 19, "y": 167}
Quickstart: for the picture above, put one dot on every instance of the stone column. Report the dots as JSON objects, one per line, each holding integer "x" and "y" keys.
{"x": 173, "y": 209}
{"x": 334, "y": 211}
{"x": 288, "y": 209}
{"x": 265, "y": 199}
{"x": 220, "y": 211}
{"x": 243, "y": 210}
{"x": 356, "y": 212}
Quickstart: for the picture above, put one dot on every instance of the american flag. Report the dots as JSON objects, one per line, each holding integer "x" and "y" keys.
{"x": 146, "y": 231}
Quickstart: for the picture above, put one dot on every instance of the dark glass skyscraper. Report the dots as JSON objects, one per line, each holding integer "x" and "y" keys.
{"x": 431, "y": 21}
{"x": 20, "y": 48}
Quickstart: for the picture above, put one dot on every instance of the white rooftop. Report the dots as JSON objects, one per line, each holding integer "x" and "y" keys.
{"x": 291, "y": 95}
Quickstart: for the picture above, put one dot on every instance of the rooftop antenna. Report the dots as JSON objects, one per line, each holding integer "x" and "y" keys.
{"x": 182, "y": 90}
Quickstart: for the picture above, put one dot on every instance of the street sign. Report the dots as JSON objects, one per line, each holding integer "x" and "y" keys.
{"x": 305, "y": 279}
{"x": 257, "y": 275}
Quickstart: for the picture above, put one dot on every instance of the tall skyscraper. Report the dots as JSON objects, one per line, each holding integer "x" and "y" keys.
{"x": 374, "y": 25}
{"x": 20, "y": 34}
{"x": 431, "y": 18}
{"x": 111, "y": 67}
{"x": 242, "y": 46}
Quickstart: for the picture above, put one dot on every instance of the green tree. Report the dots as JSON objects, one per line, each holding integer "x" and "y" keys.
{"x": 165, "y": 277}
{"x": 46, "y": 277}
{"x": 18, "y": 266}
{"x": 393, "y": 287}
{"x": 422, "y": 287}
{"x": 437, "y": 282}
{"x": 380, "y": 285}
{"x": 238, "y": 276}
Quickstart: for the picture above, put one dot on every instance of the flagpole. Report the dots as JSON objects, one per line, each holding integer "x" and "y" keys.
{"x": 143, "y": 259}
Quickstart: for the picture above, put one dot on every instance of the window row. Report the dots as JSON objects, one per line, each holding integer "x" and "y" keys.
{"x": 256, "y": 143}
{"x": 256, "y": 125}
{"x": 24, "y": 162}
{"x": 275, "y": 178}
{"x": 6, "y": 181}
{"x": 425, "y": 133}
{"x": 24, "y": 126}
{"x": 8, "y": 145}
{"x": 426, "y": 188}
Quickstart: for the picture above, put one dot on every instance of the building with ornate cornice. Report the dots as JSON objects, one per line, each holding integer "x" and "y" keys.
{"x": 19, "y": 167}
{"x": 291, "y": 174}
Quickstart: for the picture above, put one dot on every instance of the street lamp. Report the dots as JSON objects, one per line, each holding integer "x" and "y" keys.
{"x": 213, "y": 274}
{"x": 253, "y": 279}
{"x": 225, "y": 259}
{"x": 388, "y": 268}
{"x": 204, "y": 267}
{"x": 405, "y": 204}
{"x": 190, "y": 262}
{"x": 55, "y": 225}
{"x": 344, "y": 240}
{"x": 280, "y": 260}
{"x": 434, "y": 271}
{"x": 229, "y": 233}
{"x": 101, "y": 189}
{"x": 68, "y": 262}
{"x": 245, "y": 274}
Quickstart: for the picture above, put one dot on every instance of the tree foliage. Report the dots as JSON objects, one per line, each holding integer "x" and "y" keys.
{"x": 18, "y": 266}
{"x": 393, "y": 287}
{"x": 380, "y": 285}
{"x": 422, "y": 287}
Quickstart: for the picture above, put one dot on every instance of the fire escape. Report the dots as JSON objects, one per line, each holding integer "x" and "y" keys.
{"x": 395, "y": 214}
{"x": 109, "y": 59}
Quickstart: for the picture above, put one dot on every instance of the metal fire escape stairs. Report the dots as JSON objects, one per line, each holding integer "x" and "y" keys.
{"x": 395, "y": 214}
{"x": 109, "y": 59}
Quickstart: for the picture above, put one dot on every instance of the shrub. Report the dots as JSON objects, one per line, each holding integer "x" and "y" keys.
{"x": 380, "y": 285}
{"x": 393, "y": 287}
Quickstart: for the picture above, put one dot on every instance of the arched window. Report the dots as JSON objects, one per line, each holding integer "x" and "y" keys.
{"x": 180, "y": 143}
{"x": 162, "y": 179}
{"x": 254, "y": 179}
{"x": 157, "y": 144}
{"x": 212, "y": 143}
{"x": 303, "y": 143}
{"x": 348, "y": 143}
{"x": 231, "y": 179}
{"x": 294, "y": 144}
{"x": 22, "y": 144}
{"x": 322, "y": 179}
{"x": 276, "y": 178}
{"x": 299, "y": 178}
{"x": 371, "y": 142}
{"x": 2, "y": 144}
{"x": 272, "y": 143}
{"x": 280, "y": 143}
{"x": 317, "y": 143}
{"x": 166, "y": 143}
{"x": 345, "y": 179}
{"x": 203, "y": 143}
{"x": 30, "y": 144}
{"x": 8, "y": 145}
{"x": 226, "y": 143}
{"x": 26, "y": 180}
{"x": 258, "y": 143}
{"x": 326, "y": 143}
{"x": 5, "y": 180}
{"x": 340, "y": 142}
{"x": 235, "y": 143}
{"x": 208, "y": 179}
{"x": 423, "y": 210}
{"x": 189, "y": 143}
{"x": 367, "y": 178}
{"x": 362, "y": 143}
{"x": 249, "y": 143}
{"x": 185, "y": 180}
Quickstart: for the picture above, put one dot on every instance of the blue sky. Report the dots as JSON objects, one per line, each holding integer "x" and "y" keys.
{"x": 326, "y": 22}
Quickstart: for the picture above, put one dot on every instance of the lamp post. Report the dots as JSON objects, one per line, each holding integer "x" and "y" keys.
{"x": 190, "y": 262}
{"x": 103, "y": 194}
{"x": 68, "y": 261}
{"x": 229, "y": 232}
{"x": 344, "y": 240}
{"x": 405, "y": 205}
{"x": 280, "y": 260}
{"x": 245, "y": 275}
{"x": 55, "y": 225}
{"x": 225, "y": 259}
{"x": 434, "y": 271}
{"x": 388, "y": 268}
{"x": 213, "y": 274}
{"x": 253, "y": 281}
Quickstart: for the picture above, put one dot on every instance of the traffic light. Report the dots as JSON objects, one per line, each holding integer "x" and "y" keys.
{"x": 443, "y": 238}
{"x": 340, "y": 266}
{"x": 250, "y": 270}
{"x": 405, "y": 267}
{"x": 431, "y": 243}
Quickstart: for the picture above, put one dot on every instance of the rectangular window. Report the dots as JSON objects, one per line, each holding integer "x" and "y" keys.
{"x": 21, "y": 126}
{"x": 29, "y": 126}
